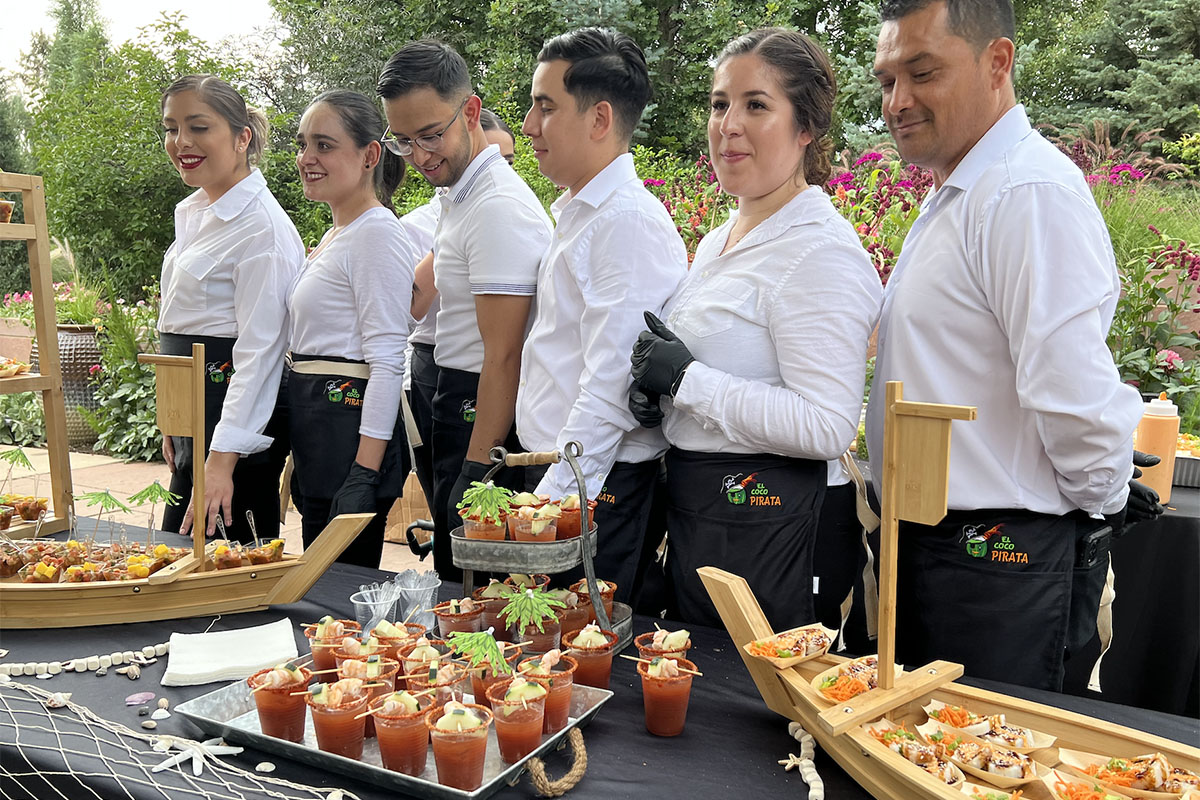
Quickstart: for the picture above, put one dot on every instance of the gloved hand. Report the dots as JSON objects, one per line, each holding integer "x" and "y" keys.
{"x": 1143, "y": 502}
{"x": 644, "y": 405}
{"x": 357, "y": 493}
{"x": 659, "y": 358}
{"x": 471, "y": 471}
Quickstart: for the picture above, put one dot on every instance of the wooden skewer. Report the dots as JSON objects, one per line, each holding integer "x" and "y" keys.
{"x": 507, "y": 645}
{"x": 371, "y": 711}
{"x": 415, "y": 609}
{"x": 365, "y": 686}
{"x": 647, "y": 661}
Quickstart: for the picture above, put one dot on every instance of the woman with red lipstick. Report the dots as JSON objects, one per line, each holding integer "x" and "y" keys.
{"x": 761, "y": 362}
{"x": 349, "y": 326}
{"x": 224, "y": 284}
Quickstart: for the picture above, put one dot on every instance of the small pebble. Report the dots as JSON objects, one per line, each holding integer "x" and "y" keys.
{"x": 264, "y": 766}
{"x": 105, "y": 662}
{"x": 149, "y": 724}
{"x": 162, "y": 649}
{"x": 5, "y": 679}
{"x": 144, "y": 711}
{"x": 139, "y": 698}
{"x": 160, "y": 713}
{"x": 3, "y": 652}
{"x": 100, "y": 673}
{"x": 148, "y": 651}
{"x": 55, "y": 667}
{"x": 164, "y": 703}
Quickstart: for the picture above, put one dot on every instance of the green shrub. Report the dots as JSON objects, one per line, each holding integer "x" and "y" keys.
{"x": 21, "y": 420}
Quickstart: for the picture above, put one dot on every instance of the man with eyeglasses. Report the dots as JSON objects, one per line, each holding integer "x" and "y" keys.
{"x": 487, "y": 247}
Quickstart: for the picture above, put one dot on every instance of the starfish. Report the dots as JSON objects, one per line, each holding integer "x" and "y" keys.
{"x": 196, "y": 751}
{"x": 791, "y": 762}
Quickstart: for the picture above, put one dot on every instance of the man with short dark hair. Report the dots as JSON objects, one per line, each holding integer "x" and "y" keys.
{"x": 486, "y": 249}
{"x": 1002, "y": 299}
{"x": 615, "y": 254}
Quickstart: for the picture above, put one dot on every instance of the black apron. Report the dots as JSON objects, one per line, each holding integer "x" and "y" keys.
{"x": 324, "y": 414}
{"x": 423, "y": 377}
{"x": 453, "y": 421}
{"x": 997, "y": 590}
{"x": 256, "y": 476}
{"x": 752, "y": 515}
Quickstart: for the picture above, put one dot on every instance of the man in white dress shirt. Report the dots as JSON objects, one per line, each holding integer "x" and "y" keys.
{"x": 1002, "y": 299}
{"x": 486, "y": 249}
{"x": 615, "y": 253}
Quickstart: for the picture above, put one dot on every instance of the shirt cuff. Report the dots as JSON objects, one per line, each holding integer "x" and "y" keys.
{"x": 696, "y": 390}
{"x": 231, "y": 439}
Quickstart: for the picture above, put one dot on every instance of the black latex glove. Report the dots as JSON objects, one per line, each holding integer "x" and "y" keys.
{"x": 659, "y": 358}
{"x": 1143, "y": 502}
{"x": 357, "y": 494}
{"x": 644, "y": 405}
{"x": 471, "y": 471}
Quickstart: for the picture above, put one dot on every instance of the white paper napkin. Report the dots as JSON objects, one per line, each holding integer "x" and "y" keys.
{"x": 228, "y": 655}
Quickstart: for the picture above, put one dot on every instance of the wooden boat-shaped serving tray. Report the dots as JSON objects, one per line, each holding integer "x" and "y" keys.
{"x": 230, "y": 713}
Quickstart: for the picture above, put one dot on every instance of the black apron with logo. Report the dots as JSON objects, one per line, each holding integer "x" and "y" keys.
{"x": 256, "y": 476}
{"x": 752, "y": 515}
{"x": 997, "y": 590}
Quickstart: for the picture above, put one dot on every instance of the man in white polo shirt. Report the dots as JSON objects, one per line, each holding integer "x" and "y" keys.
{"x": 486, "y": 249}
{"x": 1001, "y": 299}
{"x": 615, "y": 254}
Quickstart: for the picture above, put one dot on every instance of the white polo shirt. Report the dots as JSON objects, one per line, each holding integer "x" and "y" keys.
{"x": 1002, "y": 299}
{"x": 227, "y": 274}
{"x": 778, "y": 327}
{"x": 615, "y": 254}
{"x": 490, "y": 240}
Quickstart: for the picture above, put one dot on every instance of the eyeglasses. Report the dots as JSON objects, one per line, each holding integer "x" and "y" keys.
{"x": 430, "y": 142}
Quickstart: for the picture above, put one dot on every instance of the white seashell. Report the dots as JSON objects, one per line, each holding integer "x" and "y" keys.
{"x": 122, "y": 670}
{"x": 58, "y": 700}
{"x": 55, "y": 667}
{"x": 100, "y": 673}
{"x": 148, "y": 651}
{"x": 162, "y": 649}
{"x": 133, "y": 672}
{"x": 3, "y": 652}
{"x": 336, "y": 794}
{"x": 149, "y": 724}
{"x": 43, "y": 676}
{"x": 42, "y": 668}
{"x": 117, "y": 658}
{"x": 80, "y": 664}
{"x": 264, "y": 766}
{"x": 5, "y": 679}
{"x": 160, "y": 713}
{"x": 93, "y": 662}
{"x": 105, "y": 662}
{"x": 164, "y": 743}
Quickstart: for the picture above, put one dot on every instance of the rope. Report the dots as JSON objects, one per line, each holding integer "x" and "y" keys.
{"x": 549, "y": 788}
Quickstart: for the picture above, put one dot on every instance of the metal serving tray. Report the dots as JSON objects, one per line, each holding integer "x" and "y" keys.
{"x": 505, "y": 555}
{"x": 230, "y": 712}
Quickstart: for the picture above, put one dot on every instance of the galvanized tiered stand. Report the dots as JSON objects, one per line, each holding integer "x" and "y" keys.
{"x": 541, "y": 557}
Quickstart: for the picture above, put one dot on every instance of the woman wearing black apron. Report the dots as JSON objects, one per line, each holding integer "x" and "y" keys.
{"x": 224, "y": 284}
{"x": 350, "y": 323}
{"x": 761, "y": 362}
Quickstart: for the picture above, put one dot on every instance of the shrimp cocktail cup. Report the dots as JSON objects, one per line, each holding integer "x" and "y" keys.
{"x": 279, "y": 713}
{"x": 395, "y": 636}
{"x": 400, "y": 726}
{"x": 664, "y": 644}
{"x": 483, "y": 676}
{"x": 353, "y": 649}
{"x": 559, "y": 671}
{"x": 665, "y": 694}
{"x": 325, "y": 637}
{"x": 519, "y": 707}
{"x": 458, "y": 615}
{"x": 607, "y": 590}
{"x": 459, "y": 733}
{"x": 376, "y": 670}
{"x": 570, "y": 519}
{"x": 450, "y": 680}
{"x": 493, "y": 598}
{"x": 592, "y": 648}
{"x": 334, "y": 707}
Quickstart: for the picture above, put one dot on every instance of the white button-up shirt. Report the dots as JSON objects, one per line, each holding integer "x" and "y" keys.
{"x": 1002, "y": 299}
{"x": 778, "y": 327}
{"x": 616, "y": 253}
{"x": 352, "y": 301}
{"x": 490, "y": 239}
{"x": 420, "y": 224}
{"x": 227, "y": 274}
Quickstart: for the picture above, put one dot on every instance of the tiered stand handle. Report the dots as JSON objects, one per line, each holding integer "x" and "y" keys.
{"x": 36, "y": 236}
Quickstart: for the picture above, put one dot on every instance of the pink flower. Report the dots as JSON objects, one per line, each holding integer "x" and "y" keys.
{"x": 1169, "y": 360}
{"x": 94, "y": 368}
{"x": 867, "y": 158}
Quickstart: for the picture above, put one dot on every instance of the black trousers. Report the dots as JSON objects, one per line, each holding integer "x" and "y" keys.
{"x": 626, "y": 544}
{"x": 424, "y": 376}
{"x": 367, "y": 548}
{"x": 255, "y": 477}
{"x": 453, "y": 423}
{"x": 836, "y": 555}
{"x": 999, "y": 591}
{"x": 752, "y": 515}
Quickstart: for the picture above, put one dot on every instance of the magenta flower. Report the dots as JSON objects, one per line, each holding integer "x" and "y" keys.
{"x": 866, "y": 158}
{"x": 1169, "y": 360}
{"x": 94, "y": 368}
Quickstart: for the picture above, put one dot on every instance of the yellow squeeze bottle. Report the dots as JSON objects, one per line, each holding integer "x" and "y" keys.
{"x": 1157, "y": 434}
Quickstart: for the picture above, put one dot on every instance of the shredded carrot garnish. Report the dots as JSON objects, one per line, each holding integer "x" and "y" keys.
{"x": 1078, "y": 791}
{"x": 954, "y": 716}
{"x": 845, "y": 688}
{"x": 1121, "y": 778}
{"x": 990, "y": 794}
{"x": 767, "y": 648}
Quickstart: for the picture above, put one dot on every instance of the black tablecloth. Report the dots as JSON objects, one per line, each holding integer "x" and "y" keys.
{"x": 730, "y": 745}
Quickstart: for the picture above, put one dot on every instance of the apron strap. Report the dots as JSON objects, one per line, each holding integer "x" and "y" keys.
{"x": 870, "y": 522}
{"x": 348, "y": 369}
{"x": 1104, "y": 624}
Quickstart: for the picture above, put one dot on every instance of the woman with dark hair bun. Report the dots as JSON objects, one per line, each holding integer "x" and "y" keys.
{"x": 224, "y": 284}
{"x": 349, "y": 326}
{"x": 761, "y": 362}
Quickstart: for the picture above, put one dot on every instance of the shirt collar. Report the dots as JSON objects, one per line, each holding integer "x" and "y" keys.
{"x": 461, "y": 189}
{"x": 618, "y": 172}
{"x": 234, "y": 201}
{"x": 999, "y": 139}
{"x": 804, "y": 207}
